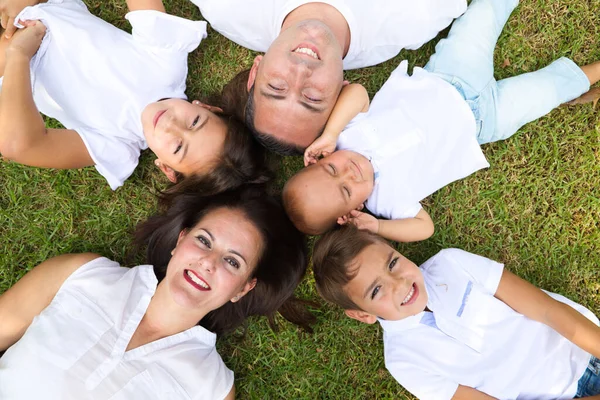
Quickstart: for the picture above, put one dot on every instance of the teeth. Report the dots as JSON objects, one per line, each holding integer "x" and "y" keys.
{"x": 197, "y": 280}
{"x": 309, "y": 52}
{"x": 409, "y": 295}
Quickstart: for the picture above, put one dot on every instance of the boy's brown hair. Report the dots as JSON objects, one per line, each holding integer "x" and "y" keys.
{"x": 333, "y": 256}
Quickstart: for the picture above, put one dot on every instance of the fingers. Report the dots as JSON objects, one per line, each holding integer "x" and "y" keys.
{"x": 11, "y": 28}
{"x": 4, "y": 20}
{"x": 342, "y": 220}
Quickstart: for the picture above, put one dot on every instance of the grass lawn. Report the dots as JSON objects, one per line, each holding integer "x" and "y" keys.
{"x": 536, "y": 209}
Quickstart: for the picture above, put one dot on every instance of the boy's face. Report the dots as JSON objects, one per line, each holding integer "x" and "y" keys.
{"x": 335, "y": 185}
{"x": 387, "y": 285}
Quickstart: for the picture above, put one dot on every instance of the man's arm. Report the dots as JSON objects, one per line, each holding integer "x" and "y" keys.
{"x": 353, "y": 100}
{"x": 30, "y": 295}
{"x": 24, "y": 137}
{"x": 532, "y": 302}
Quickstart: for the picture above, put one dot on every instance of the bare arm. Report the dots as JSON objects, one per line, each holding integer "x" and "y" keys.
{"x": 24, "y": 137}
{"x": 408, "y": 229}
{"x": 231, "y": 394}
{"x": 532, "y": 302}
{"x": 30, "y": 295}
{"x": 135, "y": 5}
{"x": 467, "y": 393}
{"x": 353, "y": 100}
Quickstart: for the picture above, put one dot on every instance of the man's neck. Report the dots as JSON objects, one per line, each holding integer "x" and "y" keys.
{"x": 325, "y": 13}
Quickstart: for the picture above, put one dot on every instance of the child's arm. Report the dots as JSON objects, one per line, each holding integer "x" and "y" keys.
{"x": 23, "y": 134}
{"x": 353, "y": 100}
{"x": 532, "y": 302}
{"x": 135, "y": 5}
{"x": 9, "y": 9}
{"x": 399, "y": 230}
{"x": 32, "y": 293}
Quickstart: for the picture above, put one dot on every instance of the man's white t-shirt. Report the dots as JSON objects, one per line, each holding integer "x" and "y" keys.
{"x": 473, "y": 339}
{"x": 379, "y": 29}
{"x": 420, "y": 135}
{"x": 76, "y": 348}
{"x": 96, "y": 79}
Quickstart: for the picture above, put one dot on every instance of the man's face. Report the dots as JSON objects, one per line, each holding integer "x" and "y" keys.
{"x": 387, "y": 285}
{"x": 297, "y": 83}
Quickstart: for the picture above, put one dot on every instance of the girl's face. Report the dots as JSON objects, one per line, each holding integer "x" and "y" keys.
{"x": 186, "y": 137}
{"x": 213, "y": 261}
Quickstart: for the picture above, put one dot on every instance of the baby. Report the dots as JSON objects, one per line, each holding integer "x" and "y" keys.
{"x": 461, "y": 326}
{"x": 115, "y": 93}
{"x": 423, "y": 131}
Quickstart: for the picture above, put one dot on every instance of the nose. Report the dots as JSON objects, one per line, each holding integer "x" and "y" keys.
{"x": 172, "y": 127}
{"x": 208, "y": 263}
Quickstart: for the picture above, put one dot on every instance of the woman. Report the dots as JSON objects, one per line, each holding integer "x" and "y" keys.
{"x": 79, "y": 326}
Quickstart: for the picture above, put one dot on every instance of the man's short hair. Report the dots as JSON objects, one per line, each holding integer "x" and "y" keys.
{"x": 333, "y": 257}
{"x": 269, "y": 141}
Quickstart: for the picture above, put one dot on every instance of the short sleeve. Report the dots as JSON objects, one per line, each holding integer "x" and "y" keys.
{"x": 422, "y": 384}
{"x": 406, "y": 212}
{"x": 167, "y": 32}
{"x": 115, "y": 158}
{"x": 482, "y": 270}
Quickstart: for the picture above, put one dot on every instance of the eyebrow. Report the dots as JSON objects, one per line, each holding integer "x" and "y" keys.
{"x": 308, "y": 106}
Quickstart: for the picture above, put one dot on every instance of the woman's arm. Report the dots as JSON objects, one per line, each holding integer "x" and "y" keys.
{"x": 353, "y": 100}
{"x": 467, "y": 393}
{"x": 532, "y": 302}
{"x": 231, "y": 394}
{"x": 135, "y": 5}
{"x": 24, "y": 137}
{"x": 32, "y": 293}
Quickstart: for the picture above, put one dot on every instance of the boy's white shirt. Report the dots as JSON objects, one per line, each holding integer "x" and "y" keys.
{"x": 96, "y": 79}
{"x": 379, "y": 29}
{"x": 420, "y": 135}
{"x": 473, "y": 339}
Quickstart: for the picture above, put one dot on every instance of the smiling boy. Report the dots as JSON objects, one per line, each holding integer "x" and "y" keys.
{"x": 461, "y": 326}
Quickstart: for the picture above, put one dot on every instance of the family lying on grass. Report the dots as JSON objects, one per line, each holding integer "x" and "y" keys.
{"x": 223, "y": 249}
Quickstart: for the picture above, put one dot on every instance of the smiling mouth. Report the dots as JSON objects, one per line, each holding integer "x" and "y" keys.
{"x": 307, "y": 50}
{"x": 412, "y": 295}
{"x": 195, "y": 280}
{"x": 157, "y": 117}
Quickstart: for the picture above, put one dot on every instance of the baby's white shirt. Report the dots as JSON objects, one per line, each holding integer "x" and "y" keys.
{"x": 420, "y": 135}
{"x": 473, "y": 339}
{"x": 96, "y": 79}
{"x": 379, "y": 29}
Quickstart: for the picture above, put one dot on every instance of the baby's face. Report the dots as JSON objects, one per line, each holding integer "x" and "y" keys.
{"x": 186, "y": 136}
{"x": 387, "y": 284}
{"x": 335, "y": 185}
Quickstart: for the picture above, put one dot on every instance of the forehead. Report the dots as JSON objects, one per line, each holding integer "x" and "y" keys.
{"x": 368, "y": 265}
{"x": 232, "y": 228}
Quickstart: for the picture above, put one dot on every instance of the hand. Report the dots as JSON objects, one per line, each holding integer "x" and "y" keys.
{"x": 323, "y": 146}
{"x": 361, "y": 220}
{"x": 27, "y": 40}
{"x": 9, "y": 9}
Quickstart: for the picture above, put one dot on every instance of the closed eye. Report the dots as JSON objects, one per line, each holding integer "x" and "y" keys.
{"x": 392, "y": 263}
{"x": 275, "y": 88}
{"x": 312, "y": 99}
{"x": 332, "y": 169}
{"x": 348, "y": 192}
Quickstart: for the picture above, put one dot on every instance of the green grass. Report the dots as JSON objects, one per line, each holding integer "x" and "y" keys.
{"x": 536, "y": 209}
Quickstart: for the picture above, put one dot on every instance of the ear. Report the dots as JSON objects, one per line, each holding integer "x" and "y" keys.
{"x": 247, "y": 287}
{"x": 253, "y": 72}
{"x": 361, "y": 316}
{"x": 210, "y": 108}
{"x": 168, "y": 171}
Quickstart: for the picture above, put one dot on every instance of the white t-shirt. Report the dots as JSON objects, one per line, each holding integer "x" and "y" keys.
{"x": 473, "y": 339}
{"x": 379, "y": 29}
{"x": 75, "y": 349}
{"x": 420, "y": 135}
{"x": 96, "y": 79}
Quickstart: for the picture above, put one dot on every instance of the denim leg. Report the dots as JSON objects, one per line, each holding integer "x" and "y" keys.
{"x": 527, "y": 97}
{"x": 468, "y": 51}
{"x": 589, "y": 384}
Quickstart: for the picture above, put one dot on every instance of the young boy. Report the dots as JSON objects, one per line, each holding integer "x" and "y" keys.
{"x": 424, "y": 131}
{"x": 461, "y": 326}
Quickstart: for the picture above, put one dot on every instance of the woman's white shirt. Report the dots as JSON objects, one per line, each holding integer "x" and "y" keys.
{"x": 75, "y": 349}
{"x": 96, "y": 79}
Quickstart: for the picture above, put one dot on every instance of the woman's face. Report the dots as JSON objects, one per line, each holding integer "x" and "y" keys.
{"x": 186, "y": 137}
{"x": 213, "y": 261}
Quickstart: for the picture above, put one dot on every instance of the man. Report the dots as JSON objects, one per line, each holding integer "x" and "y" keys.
{"x": 290, "y": 91}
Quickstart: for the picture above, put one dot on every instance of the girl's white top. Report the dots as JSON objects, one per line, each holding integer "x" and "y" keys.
{"x": 473, "y": 339}
{"x": 96, "y": 79}
{"x": 75, "y": 349}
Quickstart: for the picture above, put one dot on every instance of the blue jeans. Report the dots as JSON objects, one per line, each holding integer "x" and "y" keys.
{"x": 466, "y": 60}
{"x": 589, "y": 384}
